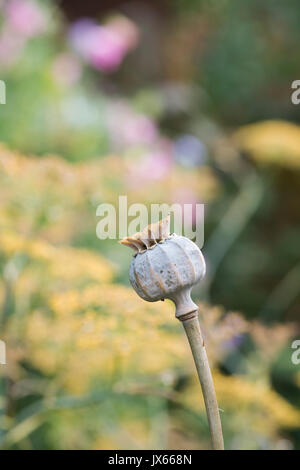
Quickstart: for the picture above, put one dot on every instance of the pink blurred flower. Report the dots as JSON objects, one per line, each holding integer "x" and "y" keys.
{"x": 25, "y": 17}
{"x": 126, "y": 29}
{"x": 11, "y": 46}
{"x": 103, "y": 47}
{"x": 66, "y": 69}
{"x": 153, "y": 166}
{"x": 138, "y": 129}
{"x": 128, "y": 128}
{"x": 107, "y": 49}
{"x": 185, "y": 195}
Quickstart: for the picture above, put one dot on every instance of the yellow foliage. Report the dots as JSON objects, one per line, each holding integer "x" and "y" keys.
{"x": 252, "y": 401}
{"x": 93, "y": 331}
{"x": 63, "y": 263}
{"x": 271, "y": 142}
{"x": 57, "y": 200}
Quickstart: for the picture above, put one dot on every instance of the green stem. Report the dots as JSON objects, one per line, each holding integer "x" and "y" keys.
{"x": 193, "y": 332}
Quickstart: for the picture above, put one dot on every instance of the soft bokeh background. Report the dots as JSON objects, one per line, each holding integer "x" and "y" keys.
{"x": 165, "y": 101}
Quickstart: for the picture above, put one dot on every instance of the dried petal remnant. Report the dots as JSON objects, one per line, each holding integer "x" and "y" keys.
{"x": 159, "y": 231}
{"x": 149, "y": 237}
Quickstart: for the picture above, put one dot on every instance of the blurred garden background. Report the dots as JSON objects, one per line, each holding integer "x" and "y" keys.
{"x": 163, "y": 101}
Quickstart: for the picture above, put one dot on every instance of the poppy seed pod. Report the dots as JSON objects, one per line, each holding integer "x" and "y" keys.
{"x": 168, "y": 270}
{"x": 166, "y": 267}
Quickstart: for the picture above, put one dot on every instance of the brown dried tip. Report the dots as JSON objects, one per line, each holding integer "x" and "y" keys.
{"x": 151, "y": 235}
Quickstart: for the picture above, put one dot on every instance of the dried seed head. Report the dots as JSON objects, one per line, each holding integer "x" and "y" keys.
{"x": 165, "y": 266}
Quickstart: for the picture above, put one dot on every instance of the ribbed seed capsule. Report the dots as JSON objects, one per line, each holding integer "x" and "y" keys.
{"x": 168, "y": 270}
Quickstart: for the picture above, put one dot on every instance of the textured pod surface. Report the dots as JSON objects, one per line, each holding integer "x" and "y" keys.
{"x": 169, "y": 267}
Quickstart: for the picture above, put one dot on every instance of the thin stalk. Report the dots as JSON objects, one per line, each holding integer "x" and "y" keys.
{"x": 193, "y": 332}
